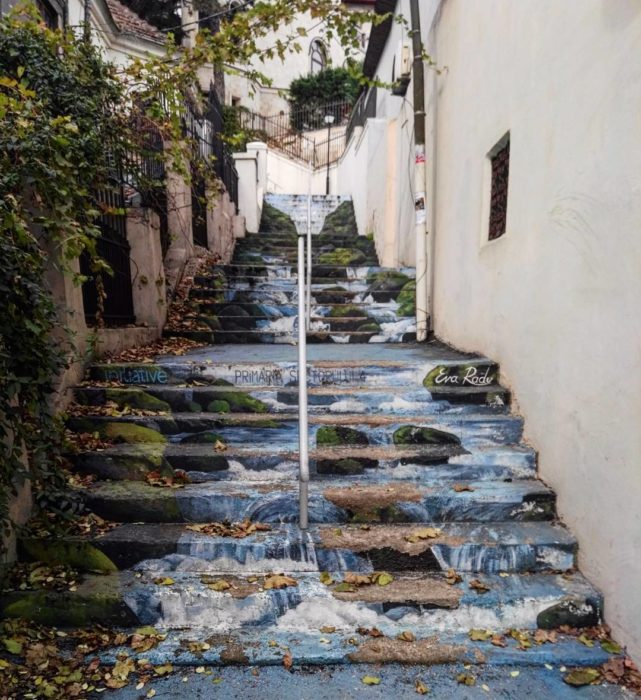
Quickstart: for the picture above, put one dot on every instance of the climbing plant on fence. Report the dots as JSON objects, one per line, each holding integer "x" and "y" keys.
{"x": 55, "y": 119}
{"x": 65, "y": 114}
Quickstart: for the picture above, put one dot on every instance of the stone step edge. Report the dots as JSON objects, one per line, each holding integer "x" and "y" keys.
{"x": 99, "y": 598}
{"x": 527, "y": 500}
{"x": 247, "y": 648}
{"x": 384, "y": 453}
{"x": 350, "y": 390}
{"x": 427, "y": 420}
{"x": 548, "y": 546}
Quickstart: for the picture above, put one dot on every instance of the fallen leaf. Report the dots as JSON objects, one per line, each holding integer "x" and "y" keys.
{"x": 479, "y": 586}
{"x": 586, "y": 640}
{"x": 465, "y": 679}
{"x": 327, "y": 629}
{"x": 478, "y": 635}
{"x": 358, "y": 579}
{"x": 425, "y": 533}
{"x": 13, "y": 646}
{"x": 452, "y": 577}
{"x": 344, "y": 588}
{"x": 164, "y": 581}
{"x": 406, "y": 636}
{"x": 582, "y": 676}
{"x": 220, "y": 446}
{"x": 326, "y": 578}
{"x": 515, "y": 674}
{"x": 610, "y": 646}
{"x": 288, "y": 661}
{"x": 382, "y": 578}
{"x": 371, "y": 680}
{"x": 498, "y": 640}
{"x": 220, "y": 585}
{"x": 459, "y": 488}
{"x": 276, "y": 581}
{"x": 546, "y": 636}
{"x": 421, "y": 688}
{"x": 163, "y": 669}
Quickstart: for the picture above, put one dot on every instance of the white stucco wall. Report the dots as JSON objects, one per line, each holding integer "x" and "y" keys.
{"x": 557, "y": 299}
{"x": 271, "y": 98}
{"x": 377, "y": 169}
{"x": 287, "y": 176}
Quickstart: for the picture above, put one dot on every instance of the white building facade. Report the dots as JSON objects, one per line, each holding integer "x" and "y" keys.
{"x": 533, "y": 224}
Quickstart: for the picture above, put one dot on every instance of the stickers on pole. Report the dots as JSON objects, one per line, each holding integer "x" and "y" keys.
{"x": 419, "y": 197}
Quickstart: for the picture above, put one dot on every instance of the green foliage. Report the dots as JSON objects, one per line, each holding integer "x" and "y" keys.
{"x": 234, "y": 133}
{"x": 65, "y": 117}
{"x": 309, "y": 96}
{"x": 55, "y": 94}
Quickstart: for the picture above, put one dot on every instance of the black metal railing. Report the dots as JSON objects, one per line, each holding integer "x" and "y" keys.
{"x": 199, "y": 209}
{"x": 205, "y": 128}
{"x": 146, "y": 177}
{"x": 110, "y": 295}
{"x": 277, "y": 132}
{"x": 329, "y": 150}
{"x": 364, "y": 109}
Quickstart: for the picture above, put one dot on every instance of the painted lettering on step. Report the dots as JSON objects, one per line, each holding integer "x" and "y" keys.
{"x": 266, "y": 376}
{"x": 474, "y": 376}
{"x": 137, "y": 375}
{"x": 269, "y": 376}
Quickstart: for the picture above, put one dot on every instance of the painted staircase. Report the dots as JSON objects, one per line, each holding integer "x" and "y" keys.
{"x": 419, "y": 471}
{"x": 254, "y": 299}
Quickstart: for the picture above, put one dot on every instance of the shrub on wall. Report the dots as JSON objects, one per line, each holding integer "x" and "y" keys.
{"x": 310, "y": 96}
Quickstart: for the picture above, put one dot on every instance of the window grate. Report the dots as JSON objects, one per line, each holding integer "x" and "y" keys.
{"x": 500, "y": 161}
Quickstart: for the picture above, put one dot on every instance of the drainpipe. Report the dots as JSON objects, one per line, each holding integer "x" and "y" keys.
{"x": 420, "y": 179}
{"x": 87, "y": 27}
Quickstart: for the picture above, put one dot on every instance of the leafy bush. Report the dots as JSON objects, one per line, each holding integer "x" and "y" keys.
{"x": 309, "y": 97}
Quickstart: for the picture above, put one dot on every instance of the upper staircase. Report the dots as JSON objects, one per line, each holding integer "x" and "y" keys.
{"x": 432, "y": 540}
{"x": 354, "y": 300}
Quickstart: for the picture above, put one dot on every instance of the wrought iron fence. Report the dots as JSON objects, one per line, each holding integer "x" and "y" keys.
{"x": 299, "y": 143}
{"x": 329, "y": 150}
{"x": 145, "y": 175}
{"x": 364, "y": 109}
{"x": 113, "y": 292}
{"x": 206, "y": 131}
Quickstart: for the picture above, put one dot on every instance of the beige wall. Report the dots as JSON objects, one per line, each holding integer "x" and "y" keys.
{"x": 557, "y": 299}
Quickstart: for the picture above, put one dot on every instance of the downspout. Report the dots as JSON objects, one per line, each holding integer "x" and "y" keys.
{"x": 87, "y": 27}
{"x": 420, "y": 180}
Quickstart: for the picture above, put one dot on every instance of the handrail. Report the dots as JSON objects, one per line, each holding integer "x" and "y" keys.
{"x": 303, "y": 430}
{"x": 304, "y": 324}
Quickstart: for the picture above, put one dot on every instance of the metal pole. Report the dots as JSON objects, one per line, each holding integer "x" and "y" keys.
{"x": 329, "y": 131}
{"x": 309, "y": 248}
{"x": 420, "y": 182}
{"x": 303, "y": 438}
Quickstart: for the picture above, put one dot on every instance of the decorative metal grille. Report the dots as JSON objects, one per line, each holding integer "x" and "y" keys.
{"x": 498, "y": 197}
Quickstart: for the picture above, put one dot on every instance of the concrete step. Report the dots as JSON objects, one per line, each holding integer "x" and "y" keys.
{"x": 354, "y": 399}
{"x": 522, "y": 674}
{"x": 248, "y": 465}
{"x": 378, "y": 365}
{"x": 338, "y": 502}
{"x": 233, "y": 320}
{"x": 282, "y": 272}
{"x": 381, "y": 311}
{"x": 134, "y": 461}
{"x": 327, "y": 292}
{"x": 512, "y": 547}
{"x": 464, "y": 430}
{"x": 396, "y": 335}
{"x": 412, "y": 601}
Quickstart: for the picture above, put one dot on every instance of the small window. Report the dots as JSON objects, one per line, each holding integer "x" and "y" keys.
{"x": 51, "y": 13}
{"x": 500, "y": 165}
{"x": 318, "y": 56}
